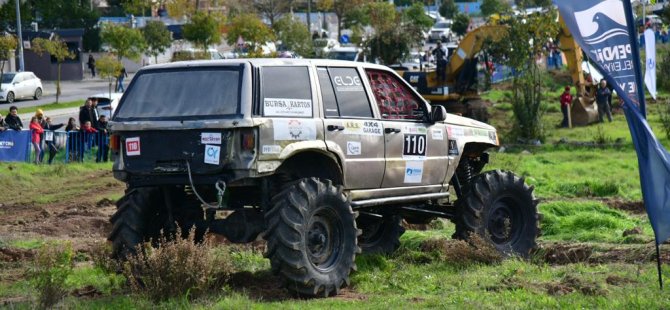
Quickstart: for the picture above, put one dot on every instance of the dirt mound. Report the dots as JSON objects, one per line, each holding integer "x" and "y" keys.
{"x": 105, "y": 202}
{"x": 628, "y": 206}
{"x": 565, "y": 253}
{"x": 15, "y": 255}
{"x": 259, "y": 285}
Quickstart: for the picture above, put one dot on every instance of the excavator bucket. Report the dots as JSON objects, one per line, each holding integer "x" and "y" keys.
{"x": 584, "y": 111}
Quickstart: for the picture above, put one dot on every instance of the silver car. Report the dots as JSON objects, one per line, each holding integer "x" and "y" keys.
{"x": 441, "y": 31}
{"x": 19, "y": 85}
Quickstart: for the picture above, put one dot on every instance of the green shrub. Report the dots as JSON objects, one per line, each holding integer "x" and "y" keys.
{"x": 52, "y": 265}
{"x": 590, "y": 188}
{"x": 176, "y": 268}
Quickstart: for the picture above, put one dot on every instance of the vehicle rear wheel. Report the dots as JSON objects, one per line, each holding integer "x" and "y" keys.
{"x": 10, "y": 97}
{"x": 311, "y": 234}
{"x": 380, "y": 235}
{"x": 500, "y": 207}
{"x": 38, "y": 94}
{"x": 142, "y": 214}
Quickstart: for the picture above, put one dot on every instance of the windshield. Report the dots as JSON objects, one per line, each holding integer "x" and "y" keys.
{"x": 342, "y": 55}
{"x": 8, "y": 77}
{"x": 184, "y": 94}
{"x": 442, "y": 25}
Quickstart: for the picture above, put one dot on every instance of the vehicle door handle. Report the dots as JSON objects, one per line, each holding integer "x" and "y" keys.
{"x": 335, "y": 127}
{"x": 391, "y": 130}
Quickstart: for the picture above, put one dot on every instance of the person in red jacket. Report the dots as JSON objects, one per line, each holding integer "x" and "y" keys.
{"x": 566, "y": 101}
{"x": 36, "y": 132}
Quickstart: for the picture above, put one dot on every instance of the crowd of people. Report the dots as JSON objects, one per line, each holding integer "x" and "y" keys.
{"x": 81, "y": 137}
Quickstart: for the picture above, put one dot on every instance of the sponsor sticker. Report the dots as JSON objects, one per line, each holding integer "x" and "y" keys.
{"x": 455, "y": 131}
{"x": 415, "y": 129}
{"x": 287, "y": 107}
{"x": 271, "y": 149}
{"x": 413, "y": 171}
{"x": 437, "y": 134}
{"x": 368, "y": 128}
{"x": 210, "y": 138}
{"x": 294, "y": 129}
{"x": 353, "y": 148}
{"x": 453, "y": 147}
{"x": 6, "y": 144}
{"x": 48, "y": 136}
{"x": 212, "y": 154}
{"x": 133, "y": 146}
{"x": 344, "y": 83}
{"x": 414, "y": 146}
{"x": 492, "y": 136}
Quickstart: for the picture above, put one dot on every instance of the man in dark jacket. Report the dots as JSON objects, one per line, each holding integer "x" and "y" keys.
{"x": 13, "y": 120}
{"x": 603, "y": 95}
{"x": 87, "y": 113}
{"x": 102, "y": 140}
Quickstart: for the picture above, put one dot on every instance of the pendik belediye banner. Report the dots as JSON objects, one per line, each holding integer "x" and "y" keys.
{"x": 607, "y": 32}
{"x": 14, "y": 145}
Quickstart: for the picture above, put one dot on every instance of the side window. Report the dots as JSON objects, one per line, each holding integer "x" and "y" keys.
{"x": 352, "y": 100}
{"x": 286, "y": 92}
{"x": 394, "y": 98}
{"x": 327, "y": 93}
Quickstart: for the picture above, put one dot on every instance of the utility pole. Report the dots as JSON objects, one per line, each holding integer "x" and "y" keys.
{"x": 18, "y": 32}
{"x": 309, "y": 18}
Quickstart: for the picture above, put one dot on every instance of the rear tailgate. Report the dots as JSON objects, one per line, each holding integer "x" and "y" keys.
{"x": 208, "y": 151}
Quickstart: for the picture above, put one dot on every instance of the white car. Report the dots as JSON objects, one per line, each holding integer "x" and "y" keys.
{"x": 19, "y": 85}
{"x": 441, "y": 31}
{"x": 107, "y": 103}
{"x": 350, "y": 53}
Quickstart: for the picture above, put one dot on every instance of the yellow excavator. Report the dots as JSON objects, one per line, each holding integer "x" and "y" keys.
{"x": 459, "y": 94}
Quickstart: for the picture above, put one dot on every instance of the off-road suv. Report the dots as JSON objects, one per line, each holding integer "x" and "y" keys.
{"x": 322, "y": 158}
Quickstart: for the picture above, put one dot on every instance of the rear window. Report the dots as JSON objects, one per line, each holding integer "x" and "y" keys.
{"x": 183, "y": 94}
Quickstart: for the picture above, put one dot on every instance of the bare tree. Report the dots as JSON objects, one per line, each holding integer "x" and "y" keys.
{"x": 272, "y": 9}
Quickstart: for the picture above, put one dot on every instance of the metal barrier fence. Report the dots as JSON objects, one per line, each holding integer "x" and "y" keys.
{"x": 72, "y": 146}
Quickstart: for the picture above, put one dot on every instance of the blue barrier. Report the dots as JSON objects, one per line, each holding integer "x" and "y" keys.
{"x": 82, "y": 146}
{"x": 14, "y": 145}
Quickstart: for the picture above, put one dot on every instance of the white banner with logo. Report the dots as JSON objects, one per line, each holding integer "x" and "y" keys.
{"x": 650, "y": 52}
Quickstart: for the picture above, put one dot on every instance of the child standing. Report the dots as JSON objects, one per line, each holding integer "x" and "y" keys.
{"x": 566, "y": 101}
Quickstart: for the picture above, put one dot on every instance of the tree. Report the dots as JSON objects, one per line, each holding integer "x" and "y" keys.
{"x": 109, "y": 67}
{"x": 7, "y": 46}
{"x": 416, "y": 16}
{"x": 123, "y": 41}
{"x": 203, "y": 30}
{"x": 271, "y": 9}
{"x": 58, "y": 50}
{"x": 294, "y": 35}
{"x": 137, "y": 7}
{"x": 69, "y": 14}
{"x": 518, "y": 48}
{"x": 8, "y": 14}
{"x": 490, "y": 7}
{"x": 448, "y": 9}
{"x": 345, "y": 10}
{"x": 252, "y": 30}
{"x": 179, "y": 8}
{"x": 392, "y": 39}
{"x": 461, "y": 24}
{"x": 157, "y": 37}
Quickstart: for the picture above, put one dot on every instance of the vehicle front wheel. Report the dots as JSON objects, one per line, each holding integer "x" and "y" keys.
{"x": 380, "y": 235}
{"x": 311, "y": 234}
{"x": 500, "y": 207}
{"x": 10, "y": 97}
{"x": 38, "y": 94}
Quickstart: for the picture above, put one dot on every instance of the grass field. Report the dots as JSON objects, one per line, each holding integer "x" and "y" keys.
{"x": 596, "y": 248}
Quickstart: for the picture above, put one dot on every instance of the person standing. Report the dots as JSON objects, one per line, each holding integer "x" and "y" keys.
{"x": 3, "y": 125}
{"x": 49, "y": 139}
{"x": 91, "y": 64}
{"x": 440, "y": 53}
{"x": 103, "y": 143}
{"x": 87, "y": 113}
{"x": 122, "y": 75}
{"x": 603, "y": 96}
{"x": 36, "y": 132}
{"x": 13, "y": 120}
{"x": 566, "y": 101}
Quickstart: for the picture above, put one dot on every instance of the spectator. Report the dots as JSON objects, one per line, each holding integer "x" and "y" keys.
{"x": 603, "y": 95}
{"x": 49, "y": 138}
{"x": 122, "y": 75}
{"x": 37, "y": 130}
{"x": 3, "y": 124}
{"x": 85, "y": 139}
{"x": 87, "y": 113}
{"x": 103, "y": 144}
{"x": 91, "y": 64}
{"x": 13, "y": 120}
{"x": 72, "y": 139}
{"x": 566, "y": 100}
{"x": 441, "y": 55}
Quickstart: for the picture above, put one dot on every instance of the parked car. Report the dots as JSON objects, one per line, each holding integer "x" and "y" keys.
{"x": 20, "y": 85}
{"x": 323, "y": 46}
{"x": 441, "y": 31}
{"x": 107, "y": 103}
{"x": 350, "y": 53}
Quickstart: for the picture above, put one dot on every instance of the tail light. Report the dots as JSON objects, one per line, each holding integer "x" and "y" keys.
{"x": 114, "y": 144}
{"x": 248, "y": 141}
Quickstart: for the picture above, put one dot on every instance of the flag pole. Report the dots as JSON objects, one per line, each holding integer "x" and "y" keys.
{"x": 658, "y": 265}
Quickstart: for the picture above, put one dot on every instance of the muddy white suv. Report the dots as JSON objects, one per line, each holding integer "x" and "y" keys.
{"x": 322, "y": 158}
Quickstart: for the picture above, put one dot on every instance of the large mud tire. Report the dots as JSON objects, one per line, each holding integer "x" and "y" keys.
{"x": 500, "y": 207}
{"x": 311, "y": 234}
{"x": 380, "y": 235}
{"x": 141, "y": 215}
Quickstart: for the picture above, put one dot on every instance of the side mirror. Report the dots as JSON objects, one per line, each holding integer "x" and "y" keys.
{"x": 439, "y": 114}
